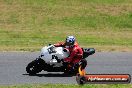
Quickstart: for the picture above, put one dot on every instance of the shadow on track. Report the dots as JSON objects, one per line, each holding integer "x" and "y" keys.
{"x": 50, "y": 75}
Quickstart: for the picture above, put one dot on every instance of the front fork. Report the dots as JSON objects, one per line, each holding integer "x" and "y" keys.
{"x": 40, "y": 61}
{"x": 39, "y": 57}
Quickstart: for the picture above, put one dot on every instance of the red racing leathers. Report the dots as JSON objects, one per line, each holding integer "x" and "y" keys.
{"x": 75, "y": 52}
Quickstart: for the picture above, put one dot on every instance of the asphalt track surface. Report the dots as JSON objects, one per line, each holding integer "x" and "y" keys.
{"x": 13, "y": 64}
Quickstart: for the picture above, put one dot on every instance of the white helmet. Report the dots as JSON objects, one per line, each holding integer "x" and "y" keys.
{"x": 70, "y": 40}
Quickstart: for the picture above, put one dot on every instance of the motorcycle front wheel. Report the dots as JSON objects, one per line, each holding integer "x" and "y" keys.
{"x": 33, "y": 67}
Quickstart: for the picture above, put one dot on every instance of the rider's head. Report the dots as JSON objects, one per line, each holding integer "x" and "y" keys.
{"x": 70, "y": 40}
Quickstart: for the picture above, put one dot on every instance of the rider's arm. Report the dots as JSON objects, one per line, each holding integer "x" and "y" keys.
{"x": 61, "y": 44}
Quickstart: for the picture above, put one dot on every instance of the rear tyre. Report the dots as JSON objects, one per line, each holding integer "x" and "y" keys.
{"x": 83, "y": 63}
{"x": 71, "y": 70}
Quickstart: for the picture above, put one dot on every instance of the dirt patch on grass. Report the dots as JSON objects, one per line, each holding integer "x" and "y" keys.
{"x": 114, "y": 9}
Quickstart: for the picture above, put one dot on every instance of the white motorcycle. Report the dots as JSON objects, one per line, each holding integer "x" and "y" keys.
{"x": 51, "y": 59}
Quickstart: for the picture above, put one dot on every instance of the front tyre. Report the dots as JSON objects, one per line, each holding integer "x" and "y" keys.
{"x": 34, "y": 67}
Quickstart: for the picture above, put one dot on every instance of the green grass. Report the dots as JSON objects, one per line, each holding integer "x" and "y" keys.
{"x": 69, "y": 86}
{"x": 27, "y": 25}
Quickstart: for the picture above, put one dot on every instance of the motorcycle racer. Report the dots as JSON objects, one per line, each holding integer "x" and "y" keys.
{"x": 75, "y": 50}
